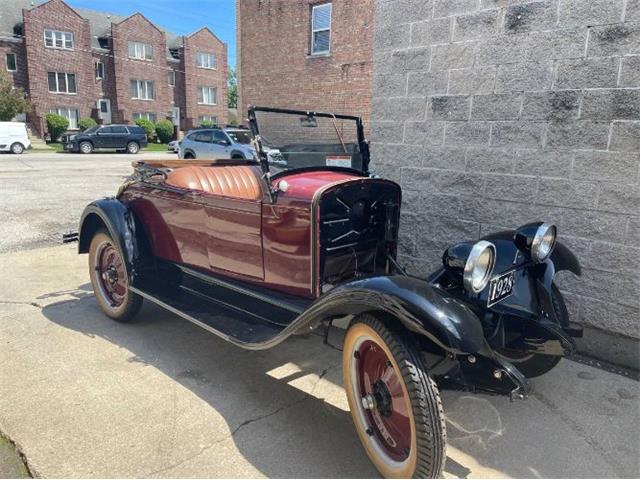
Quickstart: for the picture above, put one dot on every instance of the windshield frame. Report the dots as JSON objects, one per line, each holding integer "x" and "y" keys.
{"x": 263, "y": 158}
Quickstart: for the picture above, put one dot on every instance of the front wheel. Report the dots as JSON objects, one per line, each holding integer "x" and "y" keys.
{"x": 394, "y": 404}
{"x": 109, "y": 279}
{"x": 17, "y": 148}
{"x": 133, "y": 148}
{"x": 86, "y": 147}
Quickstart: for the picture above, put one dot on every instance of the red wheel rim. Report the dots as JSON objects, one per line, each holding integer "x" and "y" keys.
{"x": 384, "y": 401}
{"x": 111, "y": 274}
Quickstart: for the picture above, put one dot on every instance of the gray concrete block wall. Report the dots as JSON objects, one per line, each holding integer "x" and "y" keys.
{"x": 494, "y": 113}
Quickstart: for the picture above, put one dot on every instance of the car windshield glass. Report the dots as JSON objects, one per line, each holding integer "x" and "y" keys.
{"x": 92, "y": 129}
{"x": 299, "y": 140}
{"x": 240, "y": 136}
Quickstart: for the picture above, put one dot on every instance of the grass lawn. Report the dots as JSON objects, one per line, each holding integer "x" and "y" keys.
{"x": 51, "y": 147}
{"x": 155, "y": 147}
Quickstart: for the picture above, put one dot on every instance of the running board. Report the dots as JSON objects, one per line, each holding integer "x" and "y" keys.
{"x": 241, "y": 329}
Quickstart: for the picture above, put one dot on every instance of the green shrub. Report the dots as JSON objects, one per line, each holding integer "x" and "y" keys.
{"x": 148, "y": 126}
{"x": 164, "y": 130}
{"x": 56, "y": 125}
{"x": 85, "y": 123}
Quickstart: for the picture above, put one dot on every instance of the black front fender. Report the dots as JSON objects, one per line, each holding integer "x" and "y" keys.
{"x": 119, "y": 221}
{"x": 422, "y": 309}
{"x": 564, "y": 259}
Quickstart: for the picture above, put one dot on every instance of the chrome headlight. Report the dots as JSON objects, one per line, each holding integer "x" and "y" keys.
{"x": 479, "y": 266}
{"x": 543, "y": 242}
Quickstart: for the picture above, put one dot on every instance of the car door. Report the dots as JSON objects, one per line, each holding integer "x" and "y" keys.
{"x": 101, "y": 137}
{"x": 220, "y": 145}
{"x": 119, "y": 137}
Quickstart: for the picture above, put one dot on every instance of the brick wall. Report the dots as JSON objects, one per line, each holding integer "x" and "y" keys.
{"x": 274, "y": 65}
{"x": 204, "y": 41}
{"x": 20, "y": 75}
{"x": 494, "y": 113}
{"x": 138, "y": 29}
{"x": 40, "y": 60}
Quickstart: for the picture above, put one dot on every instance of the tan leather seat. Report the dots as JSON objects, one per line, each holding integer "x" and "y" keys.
{"x": 235, "y": 181}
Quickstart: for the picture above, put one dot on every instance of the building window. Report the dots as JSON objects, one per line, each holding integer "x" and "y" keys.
{"x": 70, "y": 114}
{"x": 206, "y": 60}
{"x": 145, "y": 115}
{"x": 99, "y": 70}
{"x": 207, "y": 120}
{"x": 12, "y": 65}
{"x": 62, "y": 82}
{"x": 320, "y": 29}
{"x": 207, "y": 95}
{"x": 58, "y": 39}
{"x": 140, "y": 51}
{"x": 142, "y": 89}
{"x": 172, "y": 78}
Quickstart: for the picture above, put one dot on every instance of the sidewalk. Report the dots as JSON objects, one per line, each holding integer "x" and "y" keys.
{"x": 84, "y": 396}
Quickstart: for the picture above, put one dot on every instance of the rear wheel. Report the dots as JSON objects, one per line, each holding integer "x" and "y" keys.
{"x": 86, "y": 147}
{"x": 17, "y": 148}
{"x": 394, "y": 403}
{"x": 535, "y": 364}
{"x": 133, "y": 148}
{"x": 109, "y": 279}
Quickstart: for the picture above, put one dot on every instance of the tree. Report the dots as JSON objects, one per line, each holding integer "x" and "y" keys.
{"x": 164, "y": 130}
{"x": 56, "y": 125}
{"x": 232, "y": 88}
{"x": 12, "y": 101}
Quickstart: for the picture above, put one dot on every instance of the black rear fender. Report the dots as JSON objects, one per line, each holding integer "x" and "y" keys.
{"x": 421, "y": 308}
{"x": 112, "y": 215}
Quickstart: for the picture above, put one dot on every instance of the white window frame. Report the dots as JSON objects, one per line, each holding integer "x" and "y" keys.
{"x": 172, "y": 78}
{"x": 206, "y": 99}
{"x": 151, "y": 116}
{"x": 66, "y": 81}
{"x": 207, "y": 61}
{"x": 15, "y": 61}
{"x": 142, "y": 90}
{"x": 73, "y": 122}
{"x": 58, "y": 35}
{"x": 316, "y": 30}
{"x": 99, "y": 75}
{"x": 207, "y": 118}
{"x": 140, "y": 50}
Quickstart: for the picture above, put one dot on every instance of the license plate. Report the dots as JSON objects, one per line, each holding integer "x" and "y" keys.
{"x": 501, "y": 287}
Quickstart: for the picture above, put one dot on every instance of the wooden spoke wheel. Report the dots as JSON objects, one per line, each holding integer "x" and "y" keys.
{"x": 394, "y": 404}
{"x": 109, "y": 279}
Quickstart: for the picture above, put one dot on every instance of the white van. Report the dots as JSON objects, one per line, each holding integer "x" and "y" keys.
{"x": 14, "y": 137}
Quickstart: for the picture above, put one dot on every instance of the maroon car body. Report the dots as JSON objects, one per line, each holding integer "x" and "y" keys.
{"x": 255, "y": 251}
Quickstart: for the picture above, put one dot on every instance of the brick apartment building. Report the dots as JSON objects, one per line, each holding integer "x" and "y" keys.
{"x": 305, "y": 54}
{"x": 82, "y": 63}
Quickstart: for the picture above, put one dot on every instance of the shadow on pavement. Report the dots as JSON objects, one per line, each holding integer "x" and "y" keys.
{"x": 314, "y": 438}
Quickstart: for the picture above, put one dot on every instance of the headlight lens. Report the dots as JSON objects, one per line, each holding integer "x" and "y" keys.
{"x": 543, "y": 242}
{"x": 479, "y": 266}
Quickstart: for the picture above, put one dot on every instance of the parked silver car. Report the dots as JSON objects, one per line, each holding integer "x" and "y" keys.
{"x": 212, "y": 143}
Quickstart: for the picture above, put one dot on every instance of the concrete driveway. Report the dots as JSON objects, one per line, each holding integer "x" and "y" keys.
{"x": 84, "y": 396}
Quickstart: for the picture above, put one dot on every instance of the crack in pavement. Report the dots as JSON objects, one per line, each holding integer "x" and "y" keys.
{"x": 10, "y": 302}
{"x": 580, "y": 431}
{"x": 305, "y": 397}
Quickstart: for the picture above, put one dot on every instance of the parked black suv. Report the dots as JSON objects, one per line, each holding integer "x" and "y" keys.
{"x": 129, "y": 138}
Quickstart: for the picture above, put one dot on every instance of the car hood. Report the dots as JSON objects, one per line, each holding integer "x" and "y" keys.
{"x": 305, "y": 184}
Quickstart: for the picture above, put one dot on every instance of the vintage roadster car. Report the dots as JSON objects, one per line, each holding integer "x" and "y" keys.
{"x": 258, "y": 250}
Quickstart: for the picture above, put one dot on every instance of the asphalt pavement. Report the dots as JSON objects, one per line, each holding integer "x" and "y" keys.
{"x": 84, "y": 396}
{"x": 43, "y": 194}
